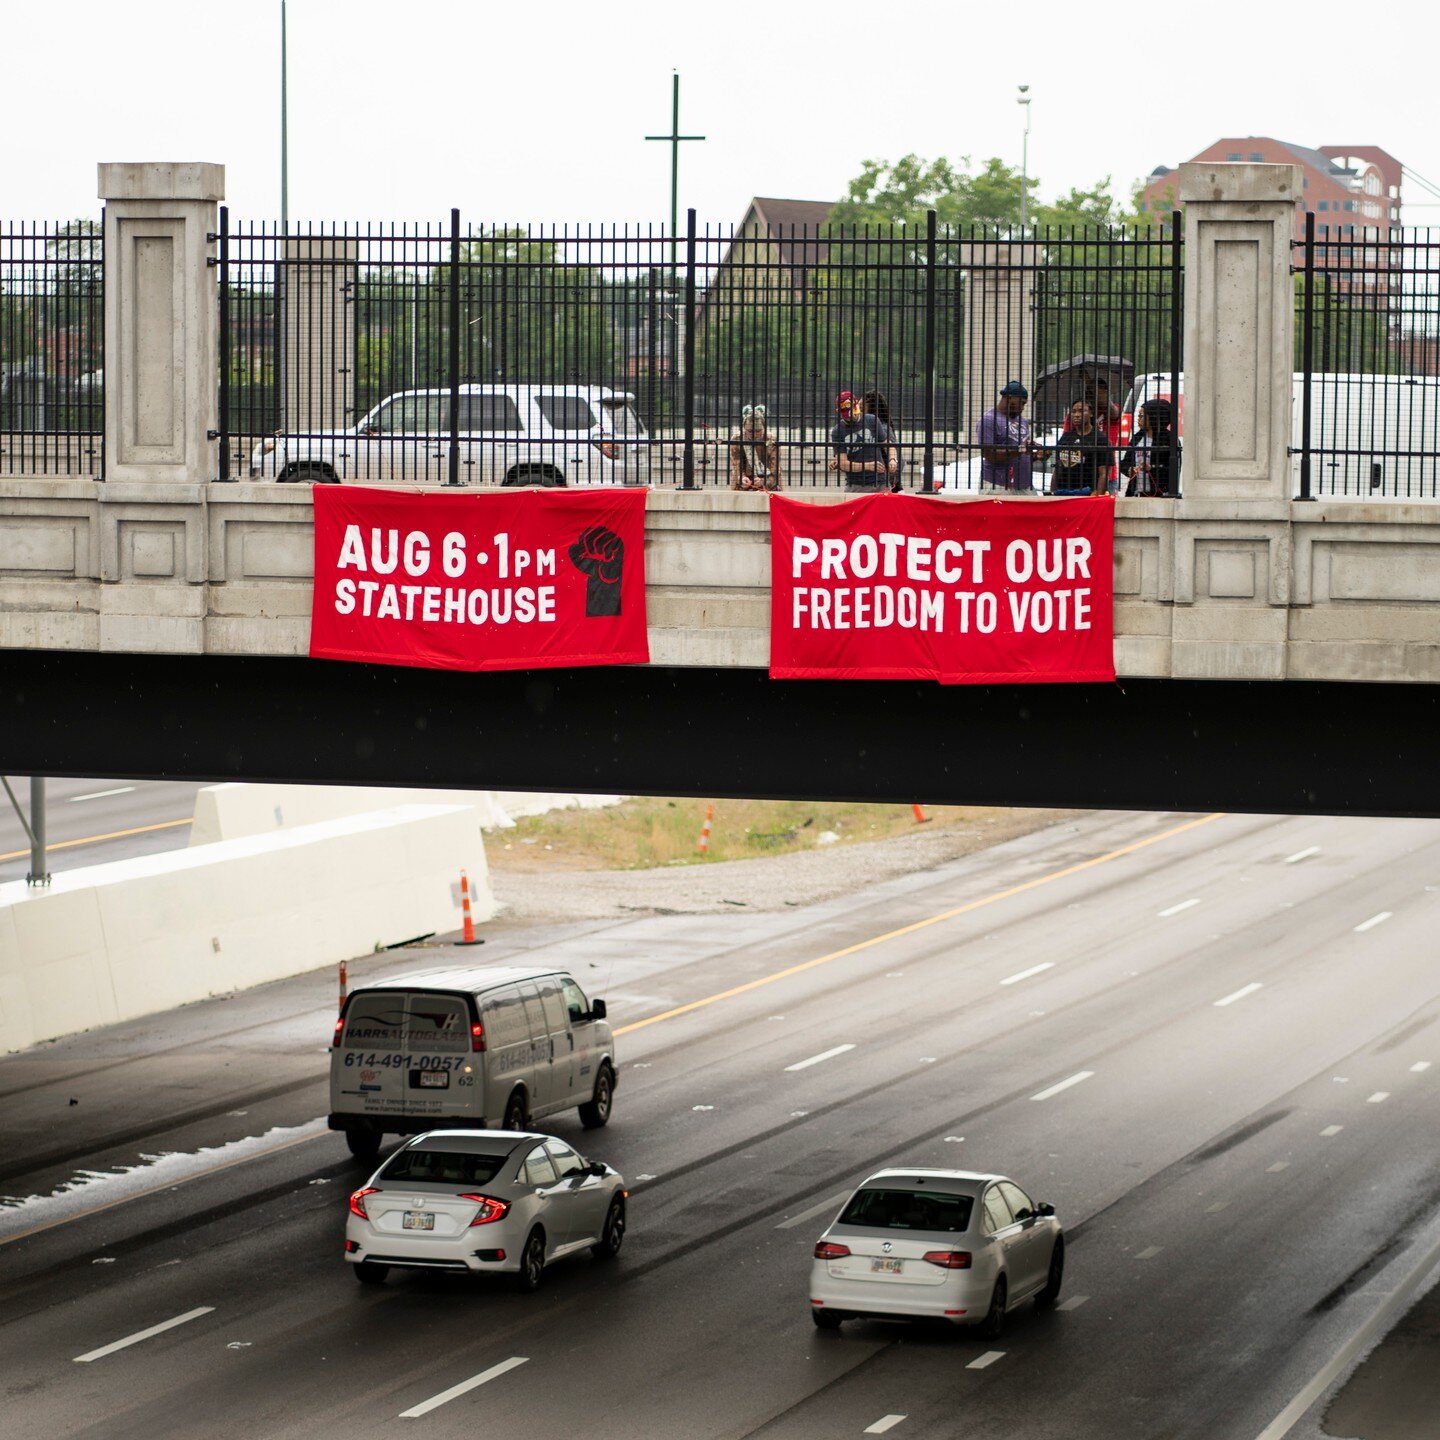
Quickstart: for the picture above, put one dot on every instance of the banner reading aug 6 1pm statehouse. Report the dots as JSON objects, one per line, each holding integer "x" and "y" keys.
{"x": 507, "y": 581}
{"x": 897, "y": 587}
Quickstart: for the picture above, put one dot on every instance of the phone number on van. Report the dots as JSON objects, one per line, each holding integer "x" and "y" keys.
{"x": 399, "y": 1061}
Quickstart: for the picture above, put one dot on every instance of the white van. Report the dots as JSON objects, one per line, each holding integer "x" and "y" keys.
{"x": 508, "y": 435}
{"x": 1373, "y": 418}
{"x": 472, "y": 1048}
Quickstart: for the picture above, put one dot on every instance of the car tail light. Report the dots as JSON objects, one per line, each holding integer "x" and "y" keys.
{"x": 829, "y": 1250}
{"x": 339, "y": 1030}
{"x": 351, "y": 1246}
{"x": 948, "y": 1259}
{"x": 605, "y": 447}
{"x": 490, "y": 1208}
{"x": 477, "y": 1036}
{"x": 357, "y": 1201}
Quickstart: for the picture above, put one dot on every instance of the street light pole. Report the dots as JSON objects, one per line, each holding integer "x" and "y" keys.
{"x": 674, "y": 139}
{"x": 284, "y": 128}
{"x": 1023, "y": 99}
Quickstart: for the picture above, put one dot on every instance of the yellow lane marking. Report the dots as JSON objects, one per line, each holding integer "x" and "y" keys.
{"x": 168, "y": 1185}
{"x": 921, "y": 924}
{"x": 96, "y": 839}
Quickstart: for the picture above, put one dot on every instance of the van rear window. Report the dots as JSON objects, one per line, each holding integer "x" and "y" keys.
{"x": 444, "y": 1167}
{"x": 376, "y": 1019}
{"x": 909, "y": 1210}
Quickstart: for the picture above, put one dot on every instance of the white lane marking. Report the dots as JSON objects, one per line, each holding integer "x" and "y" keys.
{"x": 1149, "y": 1252}
{"x": 818, "y": 1208}
{"x": 1373, "y": 921}
{"x": 1396, "y": 1303}
{"x": 455, "y": 1391}
{"x": 1216, "y": 1208}
{"x": 816, "y": 1059}
{"x": 1330, "y": 1130}
{"x": 140, "y": 1335}
{"x": 101, "y": 794}
{"x": 1277, "y": 1167}
{"x": 1026, "y": 974}
{"x": 1176, "y": 909}
{"x": 1064, "y": 1085}
{"x": 884, "y": 1423}
{"x": 986, "y": 1360}
{"x": 1377, "y": 1097}
{"x": 1240, "y": 994}
{"x": 1419, "y": 1067}
{"x": 1300, "y": 855}
{"x": 1073, "y": 1303}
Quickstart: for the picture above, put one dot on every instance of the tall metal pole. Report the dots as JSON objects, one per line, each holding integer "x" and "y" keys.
{"x": 38, "y": 875}
{"x": 284, "y": 128}
{"x": 674, "y": 140}
{"x": 1023, "y": 99}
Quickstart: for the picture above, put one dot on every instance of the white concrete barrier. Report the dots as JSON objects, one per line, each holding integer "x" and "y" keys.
{"x": 111, "y": 942}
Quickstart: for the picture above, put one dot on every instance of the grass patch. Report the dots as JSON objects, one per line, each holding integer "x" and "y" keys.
{"x": 649, "y": 831}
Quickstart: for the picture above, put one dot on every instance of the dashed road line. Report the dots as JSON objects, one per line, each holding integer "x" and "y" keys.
{"x": 1240, "y": 994}
{"x": 1063, "y": 1085}
{"x": 1377, "y": 1097}
{"x": 1073, "y": 1303}
{"x": 884, "y": 1423}
{"x": 983, "y": 1362}
{"x": 1026, "y": 974}
{"x": 1419, "y": 1067}
{"x": 101, "y": 794}
{"x": 1373, "y": 921}
{"x": 816, "y": 1059}
{"x": 140, "y": 1335}
{"x": 1149, "y": 1252}
{"x": 1277, "y": 1167}
{"x": 819, "y": 1208}
{"x": 1176, "y": 909}
{"x": 1330, "y": 1130}
{"x": 464, "y": 1387}
{"x": 1300, "y": 855}
{"x": 1217, "y": 1207}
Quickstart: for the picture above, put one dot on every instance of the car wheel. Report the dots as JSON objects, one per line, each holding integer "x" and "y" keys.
{"x": 364, "y": 1144}
{"x": 993, "y": 1325}
{"x": 612, "y": 1237}
{"x": 596, "y": 1112}
{"x": 824, "y": 1319}
{"x": 514, "y": 1112}
{"x": 532, "y": 1264}
{"x": 1051, "y": 1293}
{"x": 369, "y": 1274}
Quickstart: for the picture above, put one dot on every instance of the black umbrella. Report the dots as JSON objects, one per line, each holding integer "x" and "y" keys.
{"x": 1058, "y": 386}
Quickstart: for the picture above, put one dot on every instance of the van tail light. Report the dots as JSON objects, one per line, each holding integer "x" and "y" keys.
{"x": 606, "y": 447}
{"x": 948, "y": 1259}
{"x": 339, "y": 1030}
{"x": 829, "y": 1250}
{"x": 490, "y": 1208}
{"x": 357, "y": 1201}
{"x": 477, "y": 1037}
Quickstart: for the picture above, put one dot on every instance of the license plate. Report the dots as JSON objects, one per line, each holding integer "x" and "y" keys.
{"x": 418, "y": 1220}
{"x": 434, "y": 1080}
{"x": 887, "y": 1267}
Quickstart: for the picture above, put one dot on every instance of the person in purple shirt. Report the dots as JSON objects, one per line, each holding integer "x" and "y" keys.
{"x": 1003, "y": 435}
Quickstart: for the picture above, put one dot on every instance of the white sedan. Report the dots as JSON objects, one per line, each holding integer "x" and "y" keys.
{"x": 484, "y": 1201}
{"x": 936, "y": 1244}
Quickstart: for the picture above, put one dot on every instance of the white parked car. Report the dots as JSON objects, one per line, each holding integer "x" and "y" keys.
{"x": 508, "y": 435}
{"x": 484, "y": 1202}
{"x": 936, "y": 1244}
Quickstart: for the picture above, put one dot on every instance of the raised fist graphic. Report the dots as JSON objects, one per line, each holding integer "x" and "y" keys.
{"x": 599, "y": 553}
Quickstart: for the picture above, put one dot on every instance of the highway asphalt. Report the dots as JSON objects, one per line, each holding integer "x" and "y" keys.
{"x": 1211, "y": 1042}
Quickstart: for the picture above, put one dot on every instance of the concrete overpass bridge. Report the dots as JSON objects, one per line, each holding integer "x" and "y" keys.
{"x": 1272, "y": 653}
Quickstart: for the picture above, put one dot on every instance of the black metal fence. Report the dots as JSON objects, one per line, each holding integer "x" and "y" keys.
{"x": 447, "y": 354}
{"x": 1367, "y": 362}
{"x": 52, "y": 348}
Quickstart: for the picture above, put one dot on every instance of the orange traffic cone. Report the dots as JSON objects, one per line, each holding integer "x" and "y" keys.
{"x": 704, "y": 845}
{"x": 467, "y": 932}
{"x": 921, "y": 818}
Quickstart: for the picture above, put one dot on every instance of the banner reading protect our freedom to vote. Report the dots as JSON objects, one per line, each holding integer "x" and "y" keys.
{"x": 507, "y": 581}
{"x": 897, "y": 587}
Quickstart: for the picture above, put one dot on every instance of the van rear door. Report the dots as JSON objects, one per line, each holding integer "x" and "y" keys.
{"x": 437, "y": 1044}
{"x": 368, "y": 1068}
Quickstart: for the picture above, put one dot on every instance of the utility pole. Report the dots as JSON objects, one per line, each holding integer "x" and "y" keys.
{"x": 34, "y": 828}
{"x": 674, "y": 139}
{"x": 284, "y": 128}
{"x": 1024, "y": 99}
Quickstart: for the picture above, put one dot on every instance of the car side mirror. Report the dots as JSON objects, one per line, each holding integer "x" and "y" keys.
{"x": 1044, "y": 1209}
{"x": 597, "y": 1167}
{"x": 598, "y": 1010}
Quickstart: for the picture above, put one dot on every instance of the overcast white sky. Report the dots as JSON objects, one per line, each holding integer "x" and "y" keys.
{"x": 524, "y": 111}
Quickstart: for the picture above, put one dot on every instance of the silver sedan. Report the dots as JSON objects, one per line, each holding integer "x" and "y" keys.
{"x": 484, "y": 1202}
{"x": 937, "y": 1244}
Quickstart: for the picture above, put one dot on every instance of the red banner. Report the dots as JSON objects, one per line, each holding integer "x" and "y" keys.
{"x": 505, "y": 581}
{"x": 896, "y": 587}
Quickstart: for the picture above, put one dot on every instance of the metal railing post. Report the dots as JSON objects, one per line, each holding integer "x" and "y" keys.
{"x": 927, "y": 486}
{"x": 1177, "y": 329}
{"x": 454, "y": 357}
{"x": 224, "y": 416}
{"x": 689, "y": 453}
{"x": 1307, "y": 354}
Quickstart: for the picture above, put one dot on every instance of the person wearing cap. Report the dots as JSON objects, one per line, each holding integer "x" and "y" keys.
{"x": 1003, "y": 435}
{"x": 860, "y": 442}
{"x": 754, "y": 455}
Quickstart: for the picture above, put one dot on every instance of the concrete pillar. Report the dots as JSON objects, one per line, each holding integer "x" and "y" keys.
{"x": 1239, "y": 329}
{"x": 999, "y": 301}
{"x": 160, "y": 320}
{"x": 317, "y": 345}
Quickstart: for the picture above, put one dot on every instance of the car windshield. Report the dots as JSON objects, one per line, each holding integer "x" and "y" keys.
{"x": 908, "y": 1210}
{"x": 621, "y": 417}
{"x": 444, "y": 1167}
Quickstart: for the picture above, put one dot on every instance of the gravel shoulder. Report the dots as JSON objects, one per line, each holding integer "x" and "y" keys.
{"x": 766, "y": 884}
